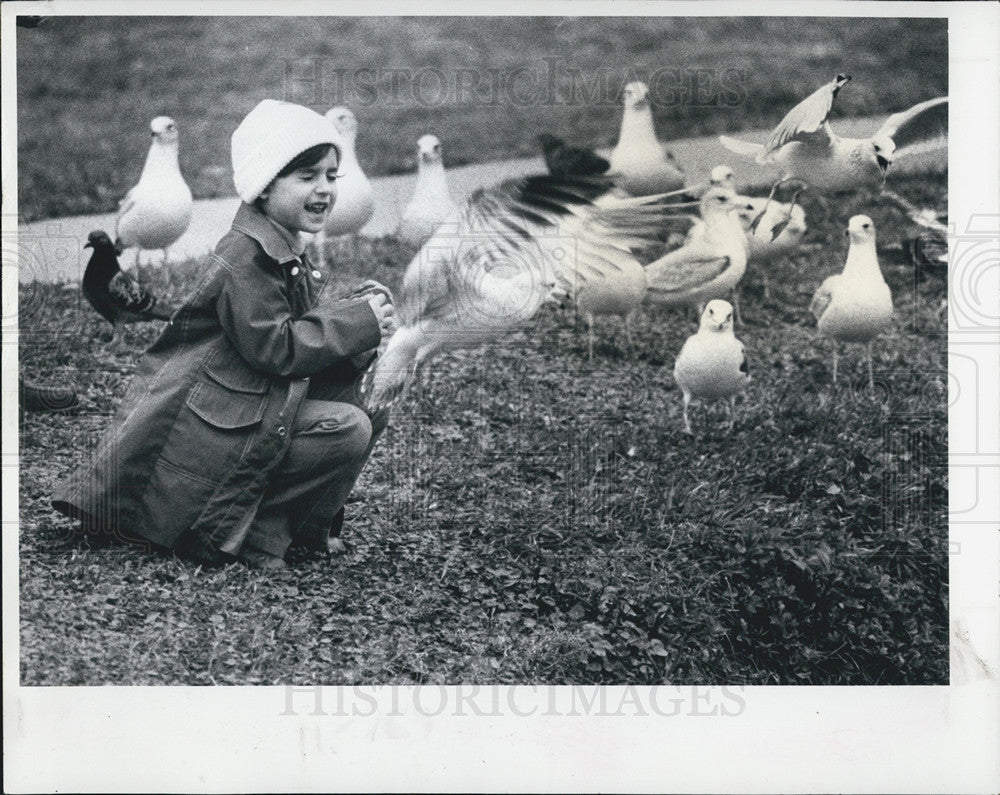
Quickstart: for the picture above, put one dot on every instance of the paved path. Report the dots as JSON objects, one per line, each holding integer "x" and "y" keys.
{"x": 52, "y": 250}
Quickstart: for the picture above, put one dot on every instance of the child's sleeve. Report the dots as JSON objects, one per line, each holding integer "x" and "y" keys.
{"x": 254, "y": 310}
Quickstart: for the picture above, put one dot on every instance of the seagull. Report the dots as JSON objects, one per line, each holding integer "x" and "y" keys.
{"x": 708, "y": 267}
{"x": 431, "y": 202}
{"x": 712, "y": 364}
{"x": 355, "y": 205}
{"x": 513, "y": 248}
{"x": 618, "y": 290}
{"x": 805, "y": 148}
{"x": 641, "y": 164}
{"x": 157, "y": 211}
{"x": 563, "y": 160}
{"x": 115, "y": 295}
{"x": 855, "y": 305}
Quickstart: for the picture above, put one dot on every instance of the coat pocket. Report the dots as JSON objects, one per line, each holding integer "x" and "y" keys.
{"x": 228, "y": 368}
{"x": 222, "y": 407}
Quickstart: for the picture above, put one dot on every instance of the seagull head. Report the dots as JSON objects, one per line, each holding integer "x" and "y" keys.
{"x": 719, "y": 200}
{"x": 163, "y": 129}
{"x": 636, "y": 95}
{"x": 718, "y": 316}
{"x": 344, "y": 120}
{"x": 723, "y": 177}
{"x": 883, "y": 148}
{"x": 428, "y": 149}
{"x": 99, "y": 239}
{"x": 861, "y": 230}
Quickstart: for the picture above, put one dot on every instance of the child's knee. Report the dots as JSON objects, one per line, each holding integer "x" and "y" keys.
{"x": 358, "y": 431}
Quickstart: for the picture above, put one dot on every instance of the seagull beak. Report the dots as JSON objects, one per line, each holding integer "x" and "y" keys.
{"x": 882, "y": 163}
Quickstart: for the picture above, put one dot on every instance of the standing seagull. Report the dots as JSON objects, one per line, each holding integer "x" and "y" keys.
{"x": 805, "y": 148}
{"x": 157, "y": 211}
{"x": 511, "y": 249}
{"x": 431, "y": 202}
{"x": 563, "y": 160}
{"x": 856, "y": 305}
{"x": 712, "y": 364}
{"x": 641, "y": 164}
{"x": 711, "y": 265}
{"x": 355, "y": 204}
{"x": 115, "y": 295}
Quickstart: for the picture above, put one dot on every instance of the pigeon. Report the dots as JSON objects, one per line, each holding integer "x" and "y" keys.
{"x": 563, "y": 160}
{"x": 36, "y": 398}
{"x": 157, "y": 211}
{"x": 708, "y": 267}
{"x": 431, "y": 203}
{"x": 712, "y": 364}
{"x": 512, "y": 249}
{"x": 855, "y": 305}
{"x": 641, "y": 164}
{"x": 355, "y": 204}
{"x": 805, "y": 148}
{"x": 115, "y": 295}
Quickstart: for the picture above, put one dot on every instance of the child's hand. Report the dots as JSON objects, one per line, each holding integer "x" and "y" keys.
{"x": 383, "y": 312}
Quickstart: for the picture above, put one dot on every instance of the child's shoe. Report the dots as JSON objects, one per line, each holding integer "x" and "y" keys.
{"x": 260, "y": 560}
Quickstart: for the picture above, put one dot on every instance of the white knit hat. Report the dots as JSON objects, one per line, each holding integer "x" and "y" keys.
{"x": 270, "y": 137}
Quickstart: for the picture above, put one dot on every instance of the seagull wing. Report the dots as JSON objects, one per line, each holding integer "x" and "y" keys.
{"x": 124, "y": 206}
{"x": 806, "y": 122}
{"x": 922, "y": 128}
{"x": 821, "y": 299}
{"x": 685, "y": 269}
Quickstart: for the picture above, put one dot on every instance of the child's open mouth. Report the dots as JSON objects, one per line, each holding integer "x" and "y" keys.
{"x": 317, "y": 208}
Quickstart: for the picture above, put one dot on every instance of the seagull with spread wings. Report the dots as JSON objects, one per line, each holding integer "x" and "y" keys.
{"x": 509, "y": 251}
{"x": 805, "y": 148}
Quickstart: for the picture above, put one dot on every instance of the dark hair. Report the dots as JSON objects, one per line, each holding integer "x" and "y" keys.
{"x": 307, "y": 159}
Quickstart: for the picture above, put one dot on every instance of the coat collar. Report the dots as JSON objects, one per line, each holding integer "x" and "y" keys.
{"x": 252, "y": 222}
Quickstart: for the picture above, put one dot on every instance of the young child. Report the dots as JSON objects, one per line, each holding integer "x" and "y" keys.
{"x": 243, "y": 429}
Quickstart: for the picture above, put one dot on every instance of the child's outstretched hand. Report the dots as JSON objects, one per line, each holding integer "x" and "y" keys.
{"x": 384, "y": 311}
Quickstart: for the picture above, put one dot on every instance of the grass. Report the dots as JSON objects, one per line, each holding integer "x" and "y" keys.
{"x": 534, "y": 517}
{"x": 88, "y": 86}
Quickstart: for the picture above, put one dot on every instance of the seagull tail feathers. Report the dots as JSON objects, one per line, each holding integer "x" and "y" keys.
{"x": 394, "y": 370}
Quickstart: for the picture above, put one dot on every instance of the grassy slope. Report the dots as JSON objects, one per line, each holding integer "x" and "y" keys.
{"x": 87, "y": 87}
{"x": 532, "y": 517}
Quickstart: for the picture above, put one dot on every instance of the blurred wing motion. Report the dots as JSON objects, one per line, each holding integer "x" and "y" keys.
{"x": 742, "y": 147}
{"x": 922, "y": 128}
{"x": 806, "y": 122}
{"x": 511, "y": 249}
{"x": 564, "y": 160}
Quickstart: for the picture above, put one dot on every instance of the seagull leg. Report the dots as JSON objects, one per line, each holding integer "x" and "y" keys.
{"x": 765, "y": 282}
{"x": 135, "y": 265}
{"x": 736, "y": 308}
{"x": 871, "y": 374}
{"x": 687, "y": 422}
{"x": 732, "y": 412}
{"x": 628, "y": 334}
{"x": 165, "y": 254}
{"x": 590, "y": 336}
{"x": 834, "y": 366}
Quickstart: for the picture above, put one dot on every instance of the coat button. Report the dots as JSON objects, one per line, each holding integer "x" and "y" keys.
{"x": 281, "y": 431}
{"x": 316, "y": 274}
{"x": 295, "y": 270}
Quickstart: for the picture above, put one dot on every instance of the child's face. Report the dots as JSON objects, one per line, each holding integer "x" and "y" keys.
{"x": 302, "y": 200}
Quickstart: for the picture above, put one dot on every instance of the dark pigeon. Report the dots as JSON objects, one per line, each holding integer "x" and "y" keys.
{"x": 570, "y": 161}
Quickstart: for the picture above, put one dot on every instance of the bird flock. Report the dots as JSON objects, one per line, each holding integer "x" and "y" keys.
{"x": 581, "y": 235}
